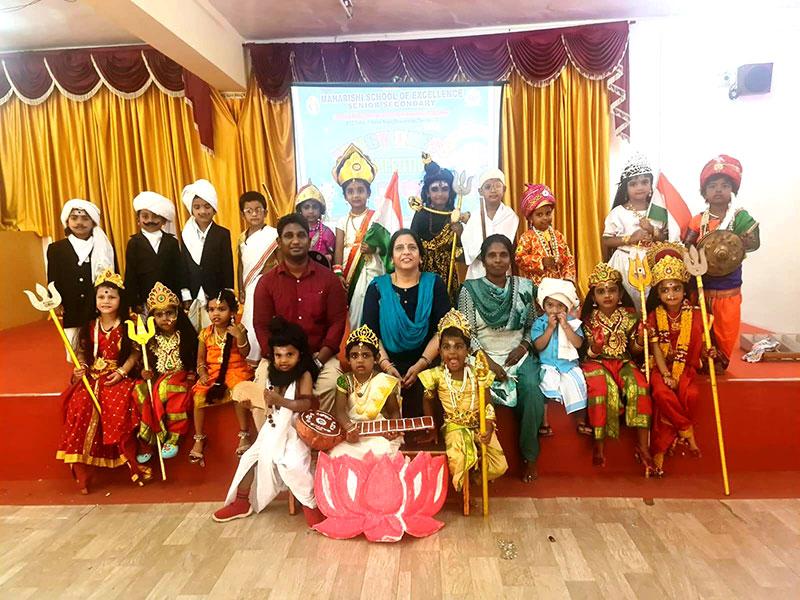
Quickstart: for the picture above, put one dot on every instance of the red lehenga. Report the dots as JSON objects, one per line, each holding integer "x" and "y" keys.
{"x": 107, "y": 440}
{"x": 674, "y": 411}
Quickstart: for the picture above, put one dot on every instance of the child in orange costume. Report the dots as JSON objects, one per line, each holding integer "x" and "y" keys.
{"x": 542, "y": 251}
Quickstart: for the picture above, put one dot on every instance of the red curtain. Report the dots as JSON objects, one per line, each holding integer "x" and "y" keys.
{"x": 78, "y": 74}
{"x": 596, "y": 51}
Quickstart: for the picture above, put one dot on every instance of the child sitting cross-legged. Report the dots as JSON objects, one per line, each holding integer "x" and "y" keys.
{"x": 454, "y": 384}
{"x": 278, "y": 459}
{"x": 366, "y": 395}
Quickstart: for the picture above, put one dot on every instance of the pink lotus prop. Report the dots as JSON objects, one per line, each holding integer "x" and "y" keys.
{"x": 381, "y": 497}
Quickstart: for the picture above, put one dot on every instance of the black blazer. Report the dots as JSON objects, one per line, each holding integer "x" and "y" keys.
{"x": 215, "y": 270}
{"x": 143, "y": 267}
{"x": 73, "y": 282}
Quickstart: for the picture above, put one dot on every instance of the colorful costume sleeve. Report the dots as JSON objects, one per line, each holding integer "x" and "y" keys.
{"x": 342, "y": 385}
{"x": 429, "y": 378}
{"x": 567, "y": 267}
{"x": 529, "y": 255}
{"x": 743, "y": 224}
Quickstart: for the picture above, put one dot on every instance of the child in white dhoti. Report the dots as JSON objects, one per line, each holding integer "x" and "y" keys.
{"x": 557, "y": 337}
{"x": 258, "y": 245}
{"x": 278, "y": 459}
{"x": 366, "y": 395}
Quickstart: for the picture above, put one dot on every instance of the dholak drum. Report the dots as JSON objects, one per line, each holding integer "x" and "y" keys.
{"x": 318, "y": 429}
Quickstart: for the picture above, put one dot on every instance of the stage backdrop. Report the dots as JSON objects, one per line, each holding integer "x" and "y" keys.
{"x": 458, "y": 125}
{"x": 108, "y": 148}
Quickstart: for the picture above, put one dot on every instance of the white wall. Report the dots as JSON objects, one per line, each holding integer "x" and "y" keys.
{"x": 682, "y": 117}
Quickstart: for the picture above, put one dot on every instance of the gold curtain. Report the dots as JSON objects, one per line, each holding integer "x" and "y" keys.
{"x": 108, "y": 149}
{"x": 559, "y": 135}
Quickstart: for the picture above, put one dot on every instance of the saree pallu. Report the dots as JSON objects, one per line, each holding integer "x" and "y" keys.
{"x": 616, "y": 387}
{"x": 167, "y": 415}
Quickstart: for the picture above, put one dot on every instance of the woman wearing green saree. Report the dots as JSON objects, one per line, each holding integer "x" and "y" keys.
{"x": 501, "y": 309}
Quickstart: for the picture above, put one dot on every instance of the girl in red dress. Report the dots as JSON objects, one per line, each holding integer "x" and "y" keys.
{"x": 106, "y": 357}
{"x": 676, "y": 340}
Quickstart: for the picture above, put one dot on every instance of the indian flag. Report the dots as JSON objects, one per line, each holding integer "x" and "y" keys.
{"x": 388, "y": 219}
{"x": 667, "y": 207}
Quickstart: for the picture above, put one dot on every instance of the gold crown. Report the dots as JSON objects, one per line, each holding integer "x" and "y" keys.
{"x": 108, "y": 276}
{"x": 455, "y": 318}
{"x": 309, "y": 192}
{"x": 669, "y": 267}
{"x": 363, "y": 335}
{"x": 661, "y": 249}
{"x": 160, "y": 297}
{"x": 354, "y": 164}
{"x": 604, "y": 273}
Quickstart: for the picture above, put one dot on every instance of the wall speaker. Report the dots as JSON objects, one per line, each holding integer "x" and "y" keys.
{"x": 752, "y": 80}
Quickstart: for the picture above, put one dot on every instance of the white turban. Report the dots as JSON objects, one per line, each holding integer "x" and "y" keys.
{"x": 562, "y": 290}
{"x": 491, "y": 174}
{"x": 201, "y": 188}
{"x": 157, "y": 204}
{"x": 101, "y": 249}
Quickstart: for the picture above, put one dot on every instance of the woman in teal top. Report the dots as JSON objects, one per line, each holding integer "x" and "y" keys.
{"x": 501, "y": 309}
{"x": 403, "y": 308}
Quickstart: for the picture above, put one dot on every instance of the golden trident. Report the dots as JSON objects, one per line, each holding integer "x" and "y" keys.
{"x": 639, "y": 276}
{"x": 141, "y": 335}
{"x": 47, "y": 300}
{"x": 697, "y": 265}
{"x": 482, "y": 380}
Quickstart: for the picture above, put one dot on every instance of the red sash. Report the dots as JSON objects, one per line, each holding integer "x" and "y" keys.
{"x": 260, "y": 264}
{"x": 355, "y": 253}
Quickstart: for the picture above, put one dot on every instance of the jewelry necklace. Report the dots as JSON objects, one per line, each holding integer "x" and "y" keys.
{"x": 455, "y": 395}
{"x": 548, "y": 243}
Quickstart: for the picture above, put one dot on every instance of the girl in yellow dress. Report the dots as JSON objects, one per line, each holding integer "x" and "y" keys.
{"x": 366, "y": 394}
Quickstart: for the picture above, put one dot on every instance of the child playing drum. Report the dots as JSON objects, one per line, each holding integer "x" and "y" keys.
{"x": 278, "y": 459}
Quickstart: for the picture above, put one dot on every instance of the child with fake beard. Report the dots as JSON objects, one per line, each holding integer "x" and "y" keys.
{"x": 278, "y": 459}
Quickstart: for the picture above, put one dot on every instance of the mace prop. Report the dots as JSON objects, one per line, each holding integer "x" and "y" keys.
{"x": 482, "y": 379}
{"x": 697, "y": 265}
{"x": 640, "y": 277}
{"x": 47, "y": 299}
{"x": 141, "y": 335}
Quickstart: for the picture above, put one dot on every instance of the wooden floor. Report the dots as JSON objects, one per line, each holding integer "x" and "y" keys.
{"x": 528, "y": 548}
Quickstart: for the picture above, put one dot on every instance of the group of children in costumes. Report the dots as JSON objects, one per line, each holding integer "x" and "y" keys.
{"x": 589, "y": 365}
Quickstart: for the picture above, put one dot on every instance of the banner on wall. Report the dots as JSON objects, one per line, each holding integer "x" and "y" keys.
{"x": 458, "y": 125}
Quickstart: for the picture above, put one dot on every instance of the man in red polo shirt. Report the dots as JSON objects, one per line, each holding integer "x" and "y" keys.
{"x": 303, "y": 292}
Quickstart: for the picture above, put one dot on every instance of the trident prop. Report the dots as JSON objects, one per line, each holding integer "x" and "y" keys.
{"x": 640, "y": 277}
{"x": 48, "y": 300}
{"x": 462, "y": 186}
{"x": 697, "y": 265}
{"x": 482, "y": 377}
{"x": 141, "y": 335}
